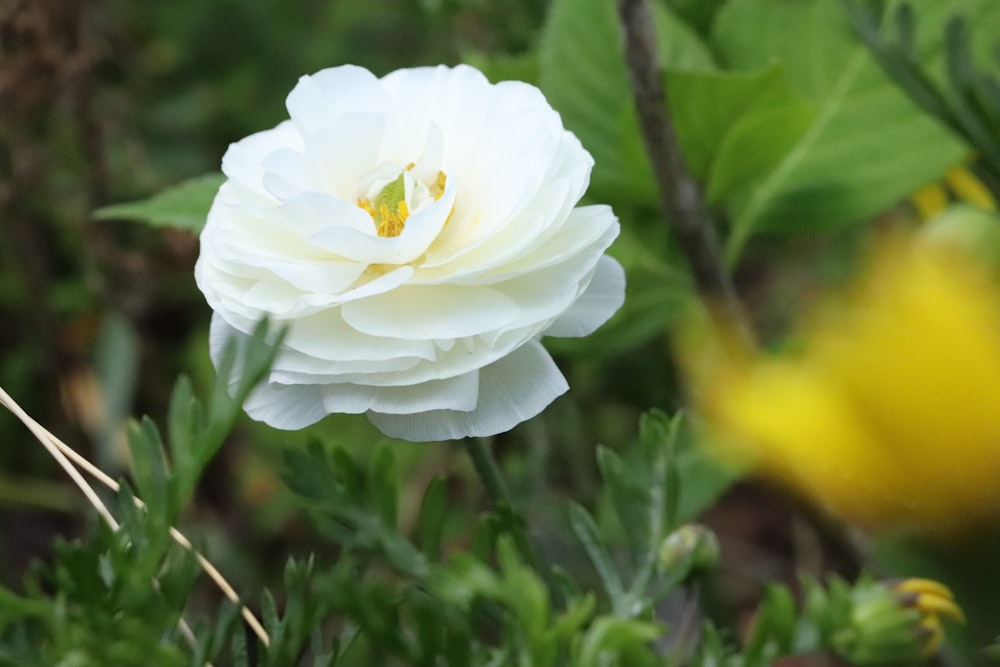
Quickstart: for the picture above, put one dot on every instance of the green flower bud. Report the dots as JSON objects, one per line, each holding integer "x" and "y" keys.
{"x": 692, "y": 547}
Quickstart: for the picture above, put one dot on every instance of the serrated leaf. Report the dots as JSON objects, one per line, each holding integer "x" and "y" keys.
{"x": 308, "y": 474}
{"x": 586, "y": 531}
{"x": 270, "y": 618}
{"x": 149, "y": 467}
{"x": 348, "y": 474}
{"x": 431, "y": 521}
{"x": 182, "y": 206}
{"x": 631, "y": 500}
{"x": 238, "y": 651}
{"x": 589, "y": 87}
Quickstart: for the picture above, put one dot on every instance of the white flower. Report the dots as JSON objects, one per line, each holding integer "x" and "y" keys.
{"x": 417, "y": 234}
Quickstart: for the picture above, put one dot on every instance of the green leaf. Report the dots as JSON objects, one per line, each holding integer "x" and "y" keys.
{"x": 384, "y": 493}
{"x": 586, "y": 531}
{"x": 238, "y": 650}
{"x": 271, "y": 619}
{"x": 631, "y": 499}
{"x": 706, "y": 107}
{"x": 116, "y": 361}
{"x": 528, "y": 599}
{"x": 867, "y": 147}
{"x": 183, "y": 206}
{"x": 589, "y": 87}
{"x": 774, "y": 628}
{"x": 433, "y": 512}
{"x": 149, "y": 466}
{"x": 628, "y": 639}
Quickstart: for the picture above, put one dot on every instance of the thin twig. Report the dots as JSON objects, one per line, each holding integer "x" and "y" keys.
{"x": 46, "y": 438}
{"x": 66, "y": 456}
{"x": 680, "y": 195}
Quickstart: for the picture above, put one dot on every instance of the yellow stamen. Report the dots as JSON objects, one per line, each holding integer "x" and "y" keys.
{"x": 389, "y": 209}
{"x": 438, "y": 189}
{"x": 366, "y": 206}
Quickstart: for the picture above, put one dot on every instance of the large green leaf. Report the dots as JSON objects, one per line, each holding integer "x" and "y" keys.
{"x": 867, "y": 147}
{"x": 582, "y": 72}
{"x": 736, "y": 127}
{"x": 184, "y": 206}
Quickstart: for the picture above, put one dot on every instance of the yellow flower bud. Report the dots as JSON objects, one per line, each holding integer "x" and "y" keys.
{"x": 895, "y": 622}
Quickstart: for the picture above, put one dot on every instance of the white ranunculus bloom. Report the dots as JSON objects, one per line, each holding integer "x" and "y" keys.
{"x": 417, "y": 234}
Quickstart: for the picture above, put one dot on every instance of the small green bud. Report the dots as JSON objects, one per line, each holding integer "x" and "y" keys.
{"x": 692, "y": 547}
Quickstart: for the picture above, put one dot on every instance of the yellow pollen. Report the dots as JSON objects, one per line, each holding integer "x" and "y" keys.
{"x": 390, "y": 223}
{"x": 439, "y": 184}
{"x": 389, "y": 209}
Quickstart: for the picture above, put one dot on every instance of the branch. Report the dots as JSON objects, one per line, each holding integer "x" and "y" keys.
{"x": 680, "y": 195}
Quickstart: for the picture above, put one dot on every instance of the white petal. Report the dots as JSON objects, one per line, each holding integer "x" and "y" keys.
{"x": 512, "y": 390}
{"x": 325, "y": 335}
{"x": 243, "y": 160}
{"x": 458, "y": 393}
{"x": 302, "y": 369}
{"x": 602, "y": 298}
{"x": 286, "y": 174}
{"x": 284, "y": 407}
{"x": 220, "y": 333}
{"x": 456, "y": 99}
{"x": 342, "y": 154}
{"x": 319, "y": 100}
{"x": 313, "y": 213}
{"x": 287, "y": 407}
{"x": 427, "y": 313}
{"x": 587, "y": 228}
{"x": 484, "y": 234}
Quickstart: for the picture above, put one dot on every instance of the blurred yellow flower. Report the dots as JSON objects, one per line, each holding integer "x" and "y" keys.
{"x": 889, "y": 413}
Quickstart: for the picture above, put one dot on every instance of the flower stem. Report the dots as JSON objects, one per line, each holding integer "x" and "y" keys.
{"x": 511, "y": 519}
{"x": 680, "y": 195}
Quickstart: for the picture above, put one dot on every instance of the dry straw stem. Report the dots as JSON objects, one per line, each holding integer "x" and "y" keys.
{"x": 66, "y": 457}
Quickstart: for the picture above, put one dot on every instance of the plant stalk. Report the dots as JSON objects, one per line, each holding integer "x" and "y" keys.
{"x": 489, "y": 474}
{"x": 680, "y": 195}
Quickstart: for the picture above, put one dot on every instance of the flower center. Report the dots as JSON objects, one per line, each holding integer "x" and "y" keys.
{"x": 391, "y": 202}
